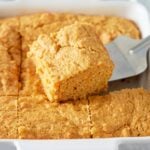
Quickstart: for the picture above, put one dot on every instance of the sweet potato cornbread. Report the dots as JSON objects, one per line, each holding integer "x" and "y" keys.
{"x": 25, "y": 111}
{"x": 72, "y": 63}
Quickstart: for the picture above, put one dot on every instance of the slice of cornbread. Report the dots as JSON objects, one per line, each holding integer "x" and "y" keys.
{"x": 71, "y": 63}
{"x": 121, "y": 113}
{"x": 40, "y": 119}
{"x": 8, "y": 124}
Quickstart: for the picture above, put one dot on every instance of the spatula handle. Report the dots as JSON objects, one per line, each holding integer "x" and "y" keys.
{"x": 144, "y": 44}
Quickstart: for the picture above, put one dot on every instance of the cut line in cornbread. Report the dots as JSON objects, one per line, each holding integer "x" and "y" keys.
{"x": 71, "y": 63}
{"x": 121, "y": 113}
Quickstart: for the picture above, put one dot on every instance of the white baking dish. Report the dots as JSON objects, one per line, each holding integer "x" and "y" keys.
{"x": 130, "y": 10}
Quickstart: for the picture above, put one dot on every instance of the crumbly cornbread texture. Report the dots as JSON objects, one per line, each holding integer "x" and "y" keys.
{"x": 72, "y": 63}
{"x": 22, "y": 97}
{"x": 38, "y": 118}
{"x": 120, "y": 113}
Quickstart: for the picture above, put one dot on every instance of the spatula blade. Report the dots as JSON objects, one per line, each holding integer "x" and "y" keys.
{"x": 126, "y": 64}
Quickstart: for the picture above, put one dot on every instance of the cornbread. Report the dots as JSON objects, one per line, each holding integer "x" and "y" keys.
{"x": 9, "y": 60}
{"x": 25, "y": 111}
{"x": 71, "y": 63}
{"x": 65, "y": 120}
{"x": 120, "y": 113}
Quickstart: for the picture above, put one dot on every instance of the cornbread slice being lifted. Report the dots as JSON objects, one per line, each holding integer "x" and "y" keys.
{"x": 72, "y": 63}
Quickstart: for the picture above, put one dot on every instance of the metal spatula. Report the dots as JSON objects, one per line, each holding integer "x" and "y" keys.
{"x": 129, "y": 56}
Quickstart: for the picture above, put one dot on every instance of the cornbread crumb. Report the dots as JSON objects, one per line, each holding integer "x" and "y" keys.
{"x": 121, "y": 113}
{"x": 71, "y": 63}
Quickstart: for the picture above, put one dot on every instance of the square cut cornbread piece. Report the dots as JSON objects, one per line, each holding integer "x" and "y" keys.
{"x": 38, "y": 118}
{"x": 8, "y": 125}
{"x": 71, "y": 63}
{"x": 121, "y": 113}
{"x": 28, "y": 73}
{"x": 10, "y": 48}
